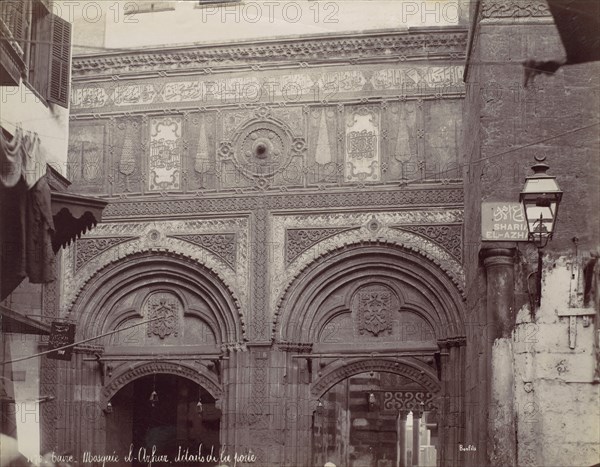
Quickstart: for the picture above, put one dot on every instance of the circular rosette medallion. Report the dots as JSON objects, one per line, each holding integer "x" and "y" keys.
{"x": 262, "y": 149}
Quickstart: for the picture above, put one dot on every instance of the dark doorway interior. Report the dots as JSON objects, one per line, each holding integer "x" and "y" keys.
{"x": 357, "y": 424}
{"x": 171, "y": 425}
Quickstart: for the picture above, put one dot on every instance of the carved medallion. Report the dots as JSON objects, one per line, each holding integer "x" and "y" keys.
{"x": 261, "y": 149}
{"x": 373, "y": 310}
{"x": 166, "y": 307}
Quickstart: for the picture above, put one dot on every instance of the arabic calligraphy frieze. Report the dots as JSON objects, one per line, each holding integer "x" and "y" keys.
{"x": 413, "y": 78}
{"x": 292, "y": 87}
{"x": 87, "y": 97}
{"x": 134, "y": 94}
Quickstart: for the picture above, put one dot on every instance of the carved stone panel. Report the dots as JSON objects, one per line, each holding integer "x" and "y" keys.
{"x": 299, "y": 240}
{"x": 86, "y": 162}
{"x": 400, "y": 125}
{"x": 514, "y": 10}
{"x": 325, "y": 162}
{"x": 222, "y": 245}
{"x": 201, "y": 163}
{"x": 88, "y": 248}
{"x": 373, "y": 306}
{"x": 165, "y": 154}
{"x": 393, "y": 401}
{"x": 165, "y": 308}
{"x": 362, "y": 144}
{"x": 448, "y": 236}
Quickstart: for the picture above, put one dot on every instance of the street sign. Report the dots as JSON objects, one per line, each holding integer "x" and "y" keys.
{"x": 61, "y": 334}
{"x": 503, "y": 222}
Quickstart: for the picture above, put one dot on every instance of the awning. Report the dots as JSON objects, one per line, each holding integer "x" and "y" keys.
{"x": 18, "y": 323}
{"x": 73, "y": 216}
{"x": 37, "y": 213}
{"x": 578, "y": 24}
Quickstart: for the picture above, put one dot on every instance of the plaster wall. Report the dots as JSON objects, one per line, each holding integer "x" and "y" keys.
{"x": 556, "y": 396}
{"x": 118, "y": 25}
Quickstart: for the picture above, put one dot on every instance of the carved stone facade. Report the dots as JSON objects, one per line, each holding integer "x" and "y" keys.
{"x": 270, "y": 219}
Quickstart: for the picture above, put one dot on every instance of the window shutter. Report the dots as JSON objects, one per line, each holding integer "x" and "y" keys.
{"x": 39, "y": 50}
{"x": 13, "y": 14}
{"x": 60, "y": 62}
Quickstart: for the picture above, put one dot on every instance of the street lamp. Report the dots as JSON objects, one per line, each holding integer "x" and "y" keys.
{"x": 540, "y": 198}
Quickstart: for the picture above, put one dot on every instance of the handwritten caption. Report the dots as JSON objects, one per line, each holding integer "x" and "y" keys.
{"x": 152, "y": 455}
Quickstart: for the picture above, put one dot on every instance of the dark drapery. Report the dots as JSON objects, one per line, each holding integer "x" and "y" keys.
{"x": 26, "y": 225}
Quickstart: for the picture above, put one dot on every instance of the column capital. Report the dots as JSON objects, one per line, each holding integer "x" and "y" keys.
{"x": 498, "y": 256}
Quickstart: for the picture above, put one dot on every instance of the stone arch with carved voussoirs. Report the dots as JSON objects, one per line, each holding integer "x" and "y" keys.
{"x": 76, "y": 281}
{"x": 168, "y": 270}
{"x": 129, "y": 373}
{"x": 418, "y": 372}
{"x": 298, "y": 306}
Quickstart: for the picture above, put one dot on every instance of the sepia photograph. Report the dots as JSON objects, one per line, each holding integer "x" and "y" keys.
{"x": 300, "y": 233}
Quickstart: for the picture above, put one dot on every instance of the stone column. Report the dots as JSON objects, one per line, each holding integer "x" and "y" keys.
{"x": 499, "y": 266}
{"x": 416, "y": 447}
{"x": 401, "y": 431}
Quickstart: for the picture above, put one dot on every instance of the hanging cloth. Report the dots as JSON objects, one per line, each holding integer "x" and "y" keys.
{"x": 11, "y": 159}
{"x": 40, "y": 257}
{"x": 21, "y": 156}
{"x": 26, "y": 222}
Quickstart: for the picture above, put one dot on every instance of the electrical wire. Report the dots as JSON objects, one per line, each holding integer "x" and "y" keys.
{"x": 80, "y": 342}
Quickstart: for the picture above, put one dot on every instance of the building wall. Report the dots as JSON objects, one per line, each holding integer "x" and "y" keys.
{"x": 261, "y": 239}
{"x": 21, "y": 106}
{"x": 118, "y": 26}
{"x": 552, "y": 382}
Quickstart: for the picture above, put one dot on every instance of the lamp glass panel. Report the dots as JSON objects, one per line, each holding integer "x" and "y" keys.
{"x": 540, "y": 227}
{"x": 541, "y": 185}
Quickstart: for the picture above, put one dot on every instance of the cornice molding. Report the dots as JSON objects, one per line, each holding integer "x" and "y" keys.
{"x": 441, "y": 43}
{"x": 299, "y": 201}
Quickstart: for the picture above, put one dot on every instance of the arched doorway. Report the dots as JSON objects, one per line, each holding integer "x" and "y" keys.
{"x": 164, "y": 415}
{"x": 375, "y": 307}
{"x": 375, "y": 419}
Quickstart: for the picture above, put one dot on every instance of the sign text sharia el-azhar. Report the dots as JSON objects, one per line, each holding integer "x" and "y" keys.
{"x": 503, "y": 222}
